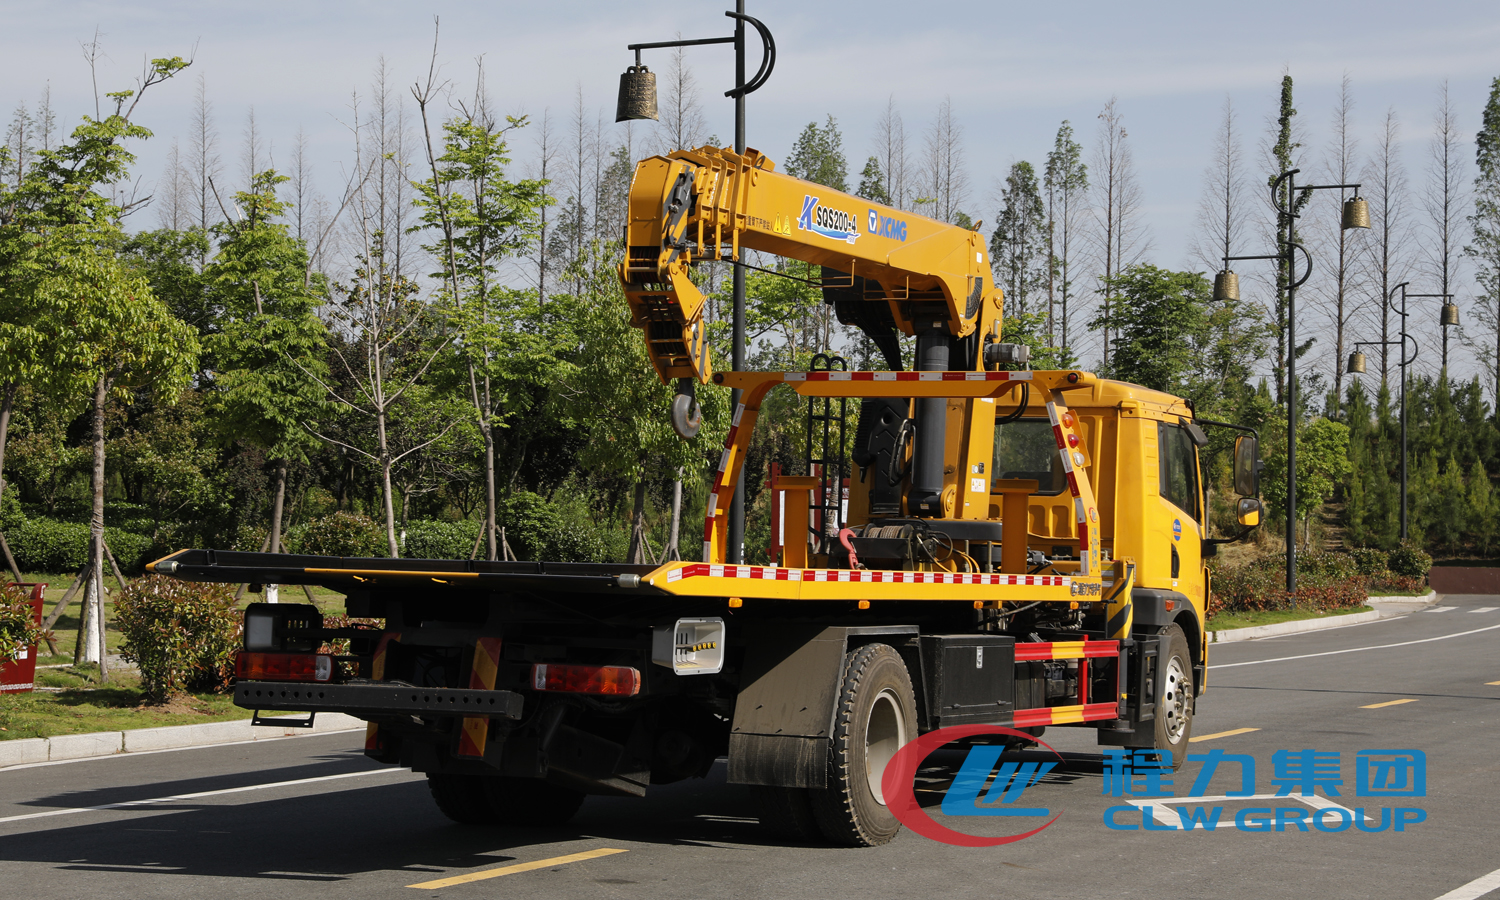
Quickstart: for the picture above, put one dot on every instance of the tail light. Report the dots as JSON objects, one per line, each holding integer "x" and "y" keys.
{"x": 283, "y": 666}
{"x": 614, "y": 681}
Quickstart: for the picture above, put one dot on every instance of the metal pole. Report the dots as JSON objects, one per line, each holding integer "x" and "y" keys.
{"x": 1403, "y": 413}
{"x": 737, "y": 353}
{"x": 1291, "y": 388}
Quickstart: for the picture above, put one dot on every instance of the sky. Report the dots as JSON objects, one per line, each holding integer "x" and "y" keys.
{"x": 1012, "y": 72}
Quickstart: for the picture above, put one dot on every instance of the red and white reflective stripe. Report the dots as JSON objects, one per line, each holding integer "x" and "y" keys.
{"x": 711, "y": 511}
{"x": 863, "y": 576}
{"x": 906, "y": 376}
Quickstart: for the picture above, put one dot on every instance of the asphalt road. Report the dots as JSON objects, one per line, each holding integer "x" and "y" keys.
{"x": 310, "y": 817}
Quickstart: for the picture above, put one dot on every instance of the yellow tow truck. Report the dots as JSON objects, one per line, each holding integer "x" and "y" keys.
{"x": 1003, "y": 546}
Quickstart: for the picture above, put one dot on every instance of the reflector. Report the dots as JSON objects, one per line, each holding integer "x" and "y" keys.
{"x": 614, "y": 681}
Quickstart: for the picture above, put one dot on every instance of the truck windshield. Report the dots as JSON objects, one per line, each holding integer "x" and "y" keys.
{"x": 1026, "y": 448}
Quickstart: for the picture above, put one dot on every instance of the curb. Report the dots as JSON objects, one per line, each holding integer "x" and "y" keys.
{"x": 171, "y": 737}
{"x": 1230, "y": 635}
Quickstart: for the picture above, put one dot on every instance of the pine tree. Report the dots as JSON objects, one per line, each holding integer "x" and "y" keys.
{"x": 872, "y": 183}
{"x": 1018, "y": 248}
{"x": 1485, "y": 248}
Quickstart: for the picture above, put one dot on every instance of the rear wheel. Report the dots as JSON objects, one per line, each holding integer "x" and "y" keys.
{"x": 1174, "y": 696}
{"x": 786, "y": 812}
{"x": 529, "y": 801}
{"x": 876, "y": 715}
{"x": 461, "y": 798}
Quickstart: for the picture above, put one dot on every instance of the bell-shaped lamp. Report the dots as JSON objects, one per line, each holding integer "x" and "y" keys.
{"x": 637, "y": 95}
{"x": 1226, "y": 287}
{"x": 1356, "y": 213}
{"x": 1356, "y": 363}
{"x": 1450, "y": 313}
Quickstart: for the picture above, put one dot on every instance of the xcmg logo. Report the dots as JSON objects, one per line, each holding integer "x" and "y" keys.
{"x": 827, "y": 221}
{"x": 886, "y": 226}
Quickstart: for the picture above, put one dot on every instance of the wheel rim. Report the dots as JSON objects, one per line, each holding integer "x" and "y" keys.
{"x": 884, "y": 734}
{"x": 1175, "y": 699}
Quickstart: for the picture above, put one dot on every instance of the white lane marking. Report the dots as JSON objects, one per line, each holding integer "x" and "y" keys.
{"x": 1485, "y": 609}
{"x": 199, "y": 794}
{"x": 1440, "y": 609}
{"x": 1476, "y": 888}
{"x": 1258, "y": 662}
{"x": 134, "y": 753}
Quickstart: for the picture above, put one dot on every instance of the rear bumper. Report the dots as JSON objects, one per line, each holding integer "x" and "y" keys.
{"x": 366, "y": 700}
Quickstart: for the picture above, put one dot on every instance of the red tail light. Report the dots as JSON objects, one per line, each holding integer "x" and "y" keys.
{"x": 616, "y": 681}
{"x": 283, "y": 666}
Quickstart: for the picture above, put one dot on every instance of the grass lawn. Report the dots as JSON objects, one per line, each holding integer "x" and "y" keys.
{"x": 1419, "y": 592}
{"x": 1222, "y": 621}
{"x": 85, "y": 705}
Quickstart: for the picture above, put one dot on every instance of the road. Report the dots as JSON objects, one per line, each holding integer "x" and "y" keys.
{"x": 310, "y": 817}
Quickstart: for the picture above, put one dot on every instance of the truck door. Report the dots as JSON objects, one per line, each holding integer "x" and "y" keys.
{"x": 1183, "y": 501}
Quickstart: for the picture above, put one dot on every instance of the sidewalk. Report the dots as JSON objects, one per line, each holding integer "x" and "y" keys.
{"x": 107, "y": 743}
{"x": 1384, "y": 608}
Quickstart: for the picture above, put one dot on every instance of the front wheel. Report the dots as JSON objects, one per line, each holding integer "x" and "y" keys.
{"x": 875, "y": 716}
{"x": 1174, "y": 696}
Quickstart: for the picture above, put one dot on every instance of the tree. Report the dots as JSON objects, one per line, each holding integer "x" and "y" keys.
{"x": 1342, "y": 159}
{"x": 1018, "y": 246}
{"x": 266, "y": 350}
{"x": 818, "y": 156}
{"x": 1283, "y": 154}
{"x": 1387, "y": 250}
{"x": 890, "y": 150}
{"x": 1484, "y": 248}
{"x": 945, "y": 181}
{"x": 1067, "y": 180}
{"x": 872, "y": 183}
{"x": 1444, "y": 200}
{"x": 1157, "y": 317}
{"x": 1322, "y": 461}
{"x": 1119, "y": 237}
{"x": 479, "y": 219}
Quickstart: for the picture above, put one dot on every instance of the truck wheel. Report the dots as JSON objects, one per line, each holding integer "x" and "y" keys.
{"x": 529, "y": 801}
{"x": 461, "y": 798}
{"x": 875, "y": 716}
{"x": 1174, "y": 697}
{"x": 786, "y": 812}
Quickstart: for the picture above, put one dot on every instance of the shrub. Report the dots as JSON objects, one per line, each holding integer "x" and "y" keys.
{"x": 429, "y": 539}
{"x": 537, "y": 529}
{"x": 339, "y": 534}
{"x": 183, "y": 635}
{"x": 1324, "y": 581}
{"x": 1321, "y": 565}
{"x": 1409, "y": 561}
{"x": 48, "y": 545}
{"x": 1369, "y": 561}
{"x": 18, "y": 626}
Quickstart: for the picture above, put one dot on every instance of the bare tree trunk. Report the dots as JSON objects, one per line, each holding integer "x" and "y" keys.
{"x": 5, "y": 409}
{"x": 637, "y": 552}
{"x": 673, "y": 551}
{"x": 91, "y": 645}
{"x": 277, "y": 504}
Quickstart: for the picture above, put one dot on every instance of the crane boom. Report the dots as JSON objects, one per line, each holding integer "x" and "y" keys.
{"x": 885, "y": 269}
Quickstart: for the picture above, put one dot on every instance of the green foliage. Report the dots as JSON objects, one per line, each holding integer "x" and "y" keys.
{"x": 1159, "y": 318}
{"x": 1370, "y": 562}
{"x": 1325, "y": 581}
{"x": 18, "y": 626}
{"x": 183, "y": 635}
{"x": 1409, "y": 561}
{"x": 1322, "y": 462}
{"x": 48, "y": 545}
{"x": 340, "y": 534}
{"x": 1018, "y": 246}
{"x": 537, "y": 530}
{"x": 428, "y": 539}
{"x": 872, "y": 183}
{"x": 818, "y": 156}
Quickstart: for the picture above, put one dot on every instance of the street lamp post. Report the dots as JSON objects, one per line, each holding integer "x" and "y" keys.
{"x": 1448, "y": 318}
{"x": 638, "y": 101}
{"x": 1356, "y": 214}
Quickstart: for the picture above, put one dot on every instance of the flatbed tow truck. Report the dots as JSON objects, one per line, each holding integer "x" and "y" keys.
{"x": 1016, "y": 548}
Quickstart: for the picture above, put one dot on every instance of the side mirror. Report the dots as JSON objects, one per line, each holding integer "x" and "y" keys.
{"x": 1247, "y": 466}
{"x": 1247, "y": 511}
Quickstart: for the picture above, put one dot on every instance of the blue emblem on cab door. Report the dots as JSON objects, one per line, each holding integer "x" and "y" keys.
{"x": 1176, "y": 529}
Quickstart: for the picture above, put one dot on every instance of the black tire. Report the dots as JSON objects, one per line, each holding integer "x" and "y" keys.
{"x": 529, "y": 801}
{"x": 1174, "y": 696}
{"x": 786, "y": 812}
{"x": 876, "y": 714}
{"x": 461, "y": 798}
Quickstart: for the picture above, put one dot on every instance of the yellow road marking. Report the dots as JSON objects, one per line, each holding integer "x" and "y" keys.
{"x": 1230, "y": 733}
{"x": 518, "y": 867}
{"x": 1389, "y": 703}
{"x": 1492, "y": 682}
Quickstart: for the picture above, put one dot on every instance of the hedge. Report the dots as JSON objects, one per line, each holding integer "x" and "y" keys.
{"x": 1325, "y": 581}
{"x": 339, "y": 534}
{"x": 431, "y": 539}
{"x": 48, "y": 545}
